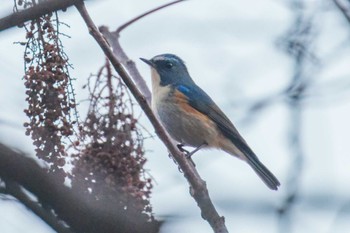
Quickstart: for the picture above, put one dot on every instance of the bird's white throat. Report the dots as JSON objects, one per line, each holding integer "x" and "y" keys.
{"x": 159, "y": 93}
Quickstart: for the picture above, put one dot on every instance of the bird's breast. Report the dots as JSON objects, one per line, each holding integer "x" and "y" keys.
{"x": 184, "y": 123}
{"x": 160, "y": 94}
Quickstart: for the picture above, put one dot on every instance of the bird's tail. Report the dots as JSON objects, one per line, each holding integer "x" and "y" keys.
{"x": 269, "y": 179}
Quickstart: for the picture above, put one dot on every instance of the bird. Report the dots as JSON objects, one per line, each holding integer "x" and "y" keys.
{"x": 193, "y": 119}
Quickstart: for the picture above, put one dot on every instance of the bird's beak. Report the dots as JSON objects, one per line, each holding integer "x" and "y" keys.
{"x": 148, "y": 62}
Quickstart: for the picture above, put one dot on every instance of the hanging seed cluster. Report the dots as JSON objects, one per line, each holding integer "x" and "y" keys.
{"x": 48, "y": 89}
{"x": 112, "y": 159}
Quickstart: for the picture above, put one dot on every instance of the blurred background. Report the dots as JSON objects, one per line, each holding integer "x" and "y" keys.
{"x": 280, "y": 71}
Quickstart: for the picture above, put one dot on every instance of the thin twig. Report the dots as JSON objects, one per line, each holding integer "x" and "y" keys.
{"x": 198, "y": 186}
{"x": 123, "y": 26}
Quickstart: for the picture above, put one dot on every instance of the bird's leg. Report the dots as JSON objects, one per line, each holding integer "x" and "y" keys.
{"x": 195, "y": 150}
{"x": 186, "y": 152}
{"x": 181, "y": 148}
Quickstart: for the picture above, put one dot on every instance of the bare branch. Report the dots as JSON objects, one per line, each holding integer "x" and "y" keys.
{"x": 34, "y": 12}
{"x": 198, "y": 187}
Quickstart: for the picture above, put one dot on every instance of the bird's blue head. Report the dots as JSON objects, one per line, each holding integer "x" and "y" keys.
{"x": 170, "y": 68}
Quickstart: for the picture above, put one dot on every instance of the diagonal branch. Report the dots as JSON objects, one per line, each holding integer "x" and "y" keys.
{"x": 45, "y": 7}
{"x": 198, "y": 186}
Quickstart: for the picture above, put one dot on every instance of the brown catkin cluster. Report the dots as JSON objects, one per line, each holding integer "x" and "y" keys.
{"x": 111, "y": 161}
{"x": 48, "y": 88}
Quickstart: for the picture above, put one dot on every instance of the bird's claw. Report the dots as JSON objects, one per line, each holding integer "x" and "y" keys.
{"x": 186, "y": 153}
{"x": 181, "y": 148}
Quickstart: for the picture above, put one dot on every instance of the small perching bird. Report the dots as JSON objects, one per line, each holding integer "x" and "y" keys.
{"x": 192, "y": 118}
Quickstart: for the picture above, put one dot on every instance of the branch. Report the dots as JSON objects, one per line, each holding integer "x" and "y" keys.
{"x": 345, "y": 10}
{"x": 45, "y": 7}
{"x": 198, "y": 186}
{"x": 81, "y": 213}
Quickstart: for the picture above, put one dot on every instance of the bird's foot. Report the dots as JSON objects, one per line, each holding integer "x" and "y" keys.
{"x": 186, "y": 152}
{"x": 181, "y": 148}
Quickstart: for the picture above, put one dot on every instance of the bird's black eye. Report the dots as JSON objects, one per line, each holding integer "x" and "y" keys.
{"x": 169, "y": 65}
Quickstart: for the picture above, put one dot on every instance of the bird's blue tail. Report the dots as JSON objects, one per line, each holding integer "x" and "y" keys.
{"x": 269, "y": 179}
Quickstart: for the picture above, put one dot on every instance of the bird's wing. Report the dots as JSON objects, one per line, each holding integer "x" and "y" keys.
{"x": 200, "y": 101}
